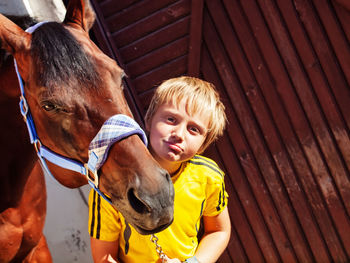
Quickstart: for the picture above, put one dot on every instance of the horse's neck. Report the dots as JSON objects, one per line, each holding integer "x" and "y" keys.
{"x": 14, "y": 179}
{"x": 8, "y": 80}
{"x": 10, "y": 117}
{"x": 17, "y": 158}
{"x": 17, "y": 155}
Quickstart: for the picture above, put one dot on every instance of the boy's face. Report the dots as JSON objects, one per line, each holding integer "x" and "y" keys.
{"x": 176, "y": 136}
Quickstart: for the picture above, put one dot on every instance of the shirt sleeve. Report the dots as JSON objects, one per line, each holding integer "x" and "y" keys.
{"x": 104, "y": 220}
{"x": 216, "y": 195}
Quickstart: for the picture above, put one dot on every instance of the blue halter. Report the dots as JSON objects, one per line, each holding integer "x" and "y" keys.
{"x": 114, "y": 129}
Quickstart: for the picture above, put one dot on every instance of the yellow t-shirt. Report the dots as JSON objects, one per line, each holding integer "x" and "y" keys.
{"x": 199, "y": 190}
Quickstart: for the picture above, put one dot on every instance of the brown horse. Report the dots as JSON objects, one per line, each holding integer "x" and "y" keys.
{"x": 70, "y": 90}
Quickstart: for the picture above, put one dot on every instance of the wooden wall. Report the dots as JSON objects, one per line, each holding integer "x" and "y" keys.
{"x": 283, "y": 70}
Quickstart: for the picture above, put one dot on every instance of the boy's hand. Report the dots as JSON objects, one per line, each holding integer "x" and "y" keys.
{"x": 170, "y": 260}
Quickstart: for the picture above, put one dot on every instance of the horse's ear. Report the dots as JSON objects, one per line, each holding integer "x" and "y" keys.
{"x": 12, "y": 38}
{"x": 81, "y": 13}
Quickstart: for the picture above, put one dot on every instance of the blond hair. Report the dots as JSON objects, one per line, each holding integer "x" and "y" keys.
{"x": 200, "y": 97}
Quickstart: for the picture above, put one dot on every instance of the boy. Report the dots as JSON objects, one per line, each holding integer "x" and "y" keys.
{"x": 184, "y": 117}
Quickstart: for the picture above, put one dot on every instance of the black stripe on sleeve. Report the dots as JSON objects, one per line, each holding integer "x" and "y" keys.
{"x": 200, "y": 216}
{"x": 218, "y": 207}
{"x": 223, "y": 195}
{"x": 207, "y": 165}
{"x": 213, "y": 165}
{"x": 127, "y": 234}
{"x": 98, "y": 229}
{"x": 93, "y": 215}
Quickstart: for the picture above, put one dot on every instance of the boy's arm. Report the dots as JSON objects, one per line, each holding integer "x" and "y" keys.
{"x": 217, "y": 231}
{"x": 104, "y": 251}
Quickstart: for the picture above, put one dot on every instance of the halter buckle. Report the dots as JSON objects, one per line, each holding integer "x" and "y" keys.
{"x": 23, "y": 107}
{"x": 37, "y": 145}
{"x": 88, "y": 173}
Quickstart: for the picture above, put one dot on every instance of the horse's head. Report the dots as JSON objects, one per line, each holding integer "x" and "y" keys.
{"x": 72, "y": 88}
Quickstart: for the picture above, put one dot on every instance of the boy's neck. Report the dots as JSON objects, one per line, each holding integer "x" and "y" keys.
{"x": 176, "y": 171}
{"x": 172, "y": 168}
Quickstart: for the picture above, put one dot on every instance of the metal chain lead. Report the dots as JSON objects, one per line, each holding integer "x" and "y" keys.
{"x": 154, "y": 239}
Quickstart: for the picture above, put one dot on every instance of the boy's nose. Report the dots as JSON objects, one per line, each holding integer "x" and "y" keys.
{"x": 178, "y": 132}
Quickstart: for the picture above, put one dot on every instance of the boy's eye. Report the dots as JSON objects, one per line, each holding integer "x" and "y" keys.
{"x": 171, "y": 119}
{"x": 194, "y": 129}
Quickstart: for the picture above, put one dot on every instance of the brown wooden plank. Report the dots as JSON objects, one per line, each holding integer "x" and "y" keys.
{"x": 194, "y": 48}
{"x": 300, "y": 126}
{"x": 343, "y": 16}
{"x": 266, "y": 82}
{"x": 335, "y": 78}
{"x": 155, "y": 40}
{"x": 319, "y": 167}
{"x": 344, "y": 3}
{"x": 254, "y": 16}
{"x": 158, "y": 57}
{"x": 324, "y": 139}
{"x": 225, "y": 257}
{"x": 275, "y": 145}
{"x": 239, "y": 181}
{"x": 336, "y": 37}
{"x": 253, "y": 93}
{"x": 235, "y": 246}
{"x": 100, "y": 35}
{"x": 151, "y": 79}
{"x": 264, "y": 164}
{"x": 151, "y": 23}
{"x": 270, "y": 175}
{"x": 138, "y": 11}
{"x": 281, "y": 81}
{"x": 327, "y": 101}
{"x": 320, "y": 83}
{"x": 110, "y": 7}
{"x": 246, "y": 216}
{"x": 323, "y": 49}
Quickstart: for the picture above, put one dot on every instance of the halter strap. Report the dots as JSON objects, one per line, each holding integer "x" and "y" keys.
{"x": 114, "y": 129}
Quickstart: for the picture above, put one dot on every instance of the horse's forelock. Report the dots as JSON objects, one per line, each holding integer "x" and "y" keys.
{"x": 59, "y": 58}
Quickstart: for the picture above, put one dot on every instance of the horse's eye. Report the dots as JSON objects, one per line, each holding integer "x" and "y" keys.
{"x": 49, "y": 107}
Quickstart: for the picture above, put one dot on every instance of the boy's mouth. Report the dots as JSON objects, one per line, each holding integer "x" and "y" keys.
{"x": 175, "y": 147}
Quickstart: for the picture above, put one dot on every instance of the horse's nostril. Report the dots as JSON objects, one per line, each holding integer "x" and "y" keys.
{"x": 139, "y": 206}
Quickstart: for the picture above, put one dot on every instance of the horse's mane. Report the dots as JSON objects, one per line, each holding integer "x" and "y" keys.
{"x": 61, "y": 58}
